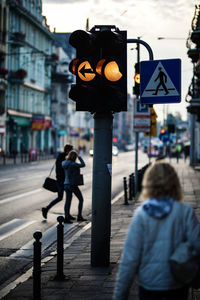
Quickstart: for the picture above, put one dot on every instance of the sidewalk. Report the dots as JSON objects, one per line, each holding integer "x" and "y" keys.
{"x": 83, "y": 281}
{"x": 22, "y": 160}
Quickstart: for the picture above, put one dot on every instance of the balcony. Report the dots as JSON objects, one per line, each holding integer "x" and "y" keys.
{"x": 17, "y": 39}
{"x": 194, "y": 54}
{"x": 51, "y": 59}
{"x": 17, "y": 76}
{"x": 3, "y": 72}
{"x": 195, "y": 37}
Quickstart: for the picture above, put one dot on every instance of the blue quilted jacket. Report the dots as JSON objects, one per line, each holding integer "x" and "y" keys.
{"x": 154, "y": 233}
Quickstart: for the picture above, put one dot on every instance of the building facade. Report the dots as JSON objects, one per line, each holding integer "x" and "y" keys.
{"x": 3, "y": 71}
{"x": 29, "y": 79}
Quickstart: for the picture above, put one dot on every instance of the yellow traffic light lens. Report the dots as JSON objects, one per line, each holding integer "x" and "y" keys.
{"x": 112, "y": 72}
{"x": 99, "y": 66}
{"x": 85, "y": 71}
{"x": 72, "y": 65}
{"x": 137, "y": 78}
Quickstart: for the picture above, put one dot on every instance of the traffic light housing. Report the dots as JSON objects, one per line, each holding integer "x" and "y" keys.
{"x": 100, "y": 68}
{"x": 171, "y": 128}
{"x": 136, "y": 88}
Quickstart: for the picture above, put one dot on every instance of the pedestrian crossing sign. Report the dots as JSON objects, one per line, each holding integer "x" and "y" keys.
{"x": 160, "y": 81}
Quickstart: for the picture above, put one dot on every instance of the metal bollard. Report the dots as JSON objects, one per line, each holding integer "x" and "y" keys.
{"x": 130, "y": 187}
{"x": 125, "y": 192}
{"x": 133, "y": 185}
{"x": 60, "y": 250}
{"x": 37, "y": 266}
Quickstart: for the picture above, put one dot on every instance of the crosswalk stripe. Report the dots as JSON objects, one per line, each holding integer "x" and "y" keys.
{"x": 13, "y": 226}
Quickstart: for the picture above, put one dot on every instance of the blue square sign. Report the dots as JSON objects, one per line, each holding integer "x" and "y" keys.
{"x": 160, "y": 81}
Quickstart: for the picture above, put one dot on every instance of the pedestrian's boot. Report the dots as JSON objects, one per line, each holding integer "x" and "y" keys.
{"x": 67, "y": 220}
{"x": 81, "y": 219}
{"x": 71, "y": 218}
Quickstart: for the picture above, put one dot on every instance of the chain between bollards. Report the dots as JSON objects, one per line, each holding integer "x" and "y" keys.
{"x": 37, "y": 265}
{"x": 60, "y": 249}
{"x": 125, "y": 192}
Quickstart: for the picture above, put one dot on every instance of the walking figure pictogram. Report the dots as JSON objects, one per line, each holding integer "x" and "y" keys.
{"x": 163, "y": 79}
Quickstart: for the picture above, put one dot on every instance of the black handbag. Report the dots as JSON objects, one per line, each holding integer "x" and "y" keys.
{"x": 50, "y": 183}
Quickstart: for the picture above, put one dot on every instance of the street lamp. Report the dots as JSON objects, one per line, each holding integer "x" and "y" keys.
{"x": 170, "y": 38}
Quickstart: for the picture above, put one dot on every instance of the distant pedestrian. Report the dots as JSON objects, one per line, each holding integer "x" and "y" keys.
{"x": 72, "y": 169}
{"x": 178, "y": 152}
{"x": 186, "y": 151}
{"x": 60, "y": 176}
{"x": 155, "y": 232}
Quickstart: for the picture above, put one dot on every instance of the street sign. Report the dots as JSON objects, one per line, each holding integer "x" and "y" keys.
{"x": 141, "y": 108}
{"x": 160, "y": 81}
{"x": 164, "y": 137}
{"x": 142, "y": 119}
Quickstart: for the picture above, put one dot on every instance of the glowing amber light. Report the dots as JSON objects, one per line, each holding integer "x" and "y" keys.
{"x": 112, "y": 72}
{"x": 100, "y": 66}
{"x": 85, "y": 71}
{"x": 72, "y": 65}
{"x": 137, "y": 78}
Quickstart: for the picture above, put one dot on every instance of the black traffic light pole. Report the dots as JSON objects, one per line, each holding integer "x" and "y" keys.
{"x": 101, "y": 88}
{"x": 101, "y": 190}
{"x": 138, "y": 41}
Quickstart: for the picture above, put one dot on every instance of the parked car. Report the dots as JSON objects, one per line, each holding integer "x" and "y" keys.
{"x": 156, "y": 149}
{"x": 115, "y": 151}
{"x": 130, "y": 147}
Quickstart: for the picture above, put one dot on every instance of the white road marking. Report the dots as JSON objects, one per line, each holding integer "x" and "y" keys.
{"x": 19, "y": 196}
{"x": 6, "y": 179}
{"x": 13, "y": 226}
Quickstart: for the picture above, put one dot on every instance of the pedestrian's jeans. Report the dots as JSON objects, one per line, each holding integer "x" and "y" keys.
{"x": 70, "y": 189}
{"x": 60, "y": 187}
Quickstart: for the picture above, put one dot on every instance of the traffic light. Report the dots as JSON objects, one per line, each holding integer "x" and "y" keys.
{"x": 171, "y": 128}
{"x": 100, "y": 68}
{"x": 136, "y": 88}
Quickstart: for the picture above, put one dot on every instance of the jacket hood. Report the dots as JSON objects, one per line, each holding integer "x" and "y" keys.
{"x": 158, "y": 208}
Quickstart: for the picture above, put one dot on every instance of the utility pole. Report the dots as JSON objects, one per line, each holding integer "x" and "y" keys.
{"x": 136, "y": 134}
{"x": 192, "y": 127}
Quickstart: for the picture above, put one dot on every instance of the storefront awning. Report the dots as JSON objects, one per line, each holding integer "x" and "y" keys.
{"x": 23, "y": 122}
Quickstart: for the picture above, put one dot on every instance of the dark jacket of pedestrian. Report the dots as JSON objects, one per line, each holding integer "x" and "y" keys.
{"x": 155, "y": 231}
{"x": 72, "y": 169}
{"x": 60, "y": 176}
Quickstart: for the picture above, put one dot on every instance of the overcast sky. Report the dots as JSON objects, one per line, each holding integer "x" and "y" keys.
{"x": 148, "y": 19}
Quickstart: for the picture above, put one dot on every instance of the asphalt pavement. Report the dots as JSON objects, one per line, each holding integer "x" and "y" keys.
{"x": 83, "y": 281}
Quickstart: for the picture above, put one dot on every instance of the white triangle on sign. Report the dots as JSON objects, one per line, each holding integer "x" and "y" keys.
{"x": 160, "y": 84}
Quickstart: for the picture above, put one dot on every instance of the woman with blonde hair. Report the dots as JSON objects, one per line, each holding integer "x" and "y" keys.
{"x": 155, "y": 231}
